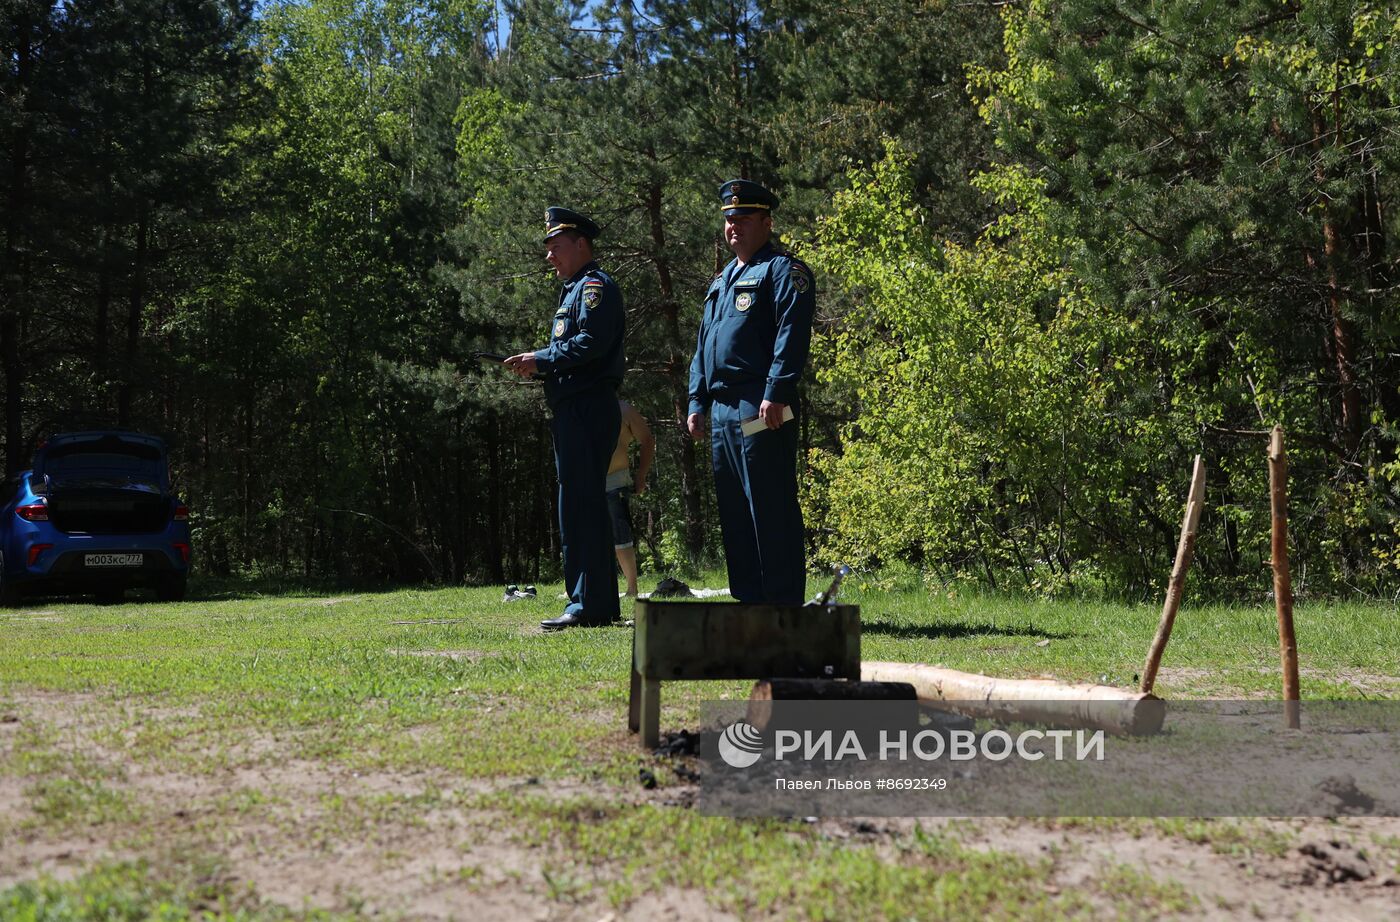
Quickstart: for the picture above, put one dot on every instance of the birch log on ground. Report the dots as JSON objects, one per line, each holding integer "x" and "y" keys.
{"x": 1034, "y": 701}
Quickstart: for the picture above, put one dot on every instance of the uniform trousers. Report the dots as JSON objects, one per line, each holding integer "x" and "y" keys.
{"x": 585, "y": 429}
{"x": 760, "y": 519}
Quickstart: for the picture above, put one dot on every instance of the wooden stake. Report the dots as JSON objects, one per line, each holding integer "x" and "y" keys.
{"x": 1185, "y": 548}
{"x": 1283, "y": 586}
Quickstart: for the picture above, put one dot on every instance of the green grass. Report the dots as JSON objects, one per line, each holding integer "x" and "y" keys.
{"x": 134, "y": 892}
{"x": 764, "y": 867}
{"x": 1234, "y": 838}
{"x": 469, "y": 692}
{"x": 1136, "y": 895}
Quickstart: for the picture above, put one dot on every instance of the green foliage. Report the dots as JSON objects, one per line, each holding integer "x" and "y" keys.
{"x": 481, "y": 120}
{"x": 991, "y": 385}
{"x": 1192, "y": 246}
{"x": 1102, "y": 240}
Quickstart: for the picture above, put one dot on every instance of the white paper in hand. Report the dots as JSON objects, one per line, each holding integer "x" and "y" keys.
{"x": 756, "y": 424}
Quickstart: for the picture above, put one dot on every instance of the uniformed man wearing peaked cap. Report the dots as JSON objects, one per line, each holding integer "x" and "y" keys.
{"x": 582, "y": 368}
{"x": 755, "y": 331}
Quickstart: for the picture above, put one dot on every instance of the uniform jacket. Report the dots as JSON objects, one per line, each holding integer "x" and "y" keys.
{"x": 755, "y": 331}
{"x": 585, "y": 347}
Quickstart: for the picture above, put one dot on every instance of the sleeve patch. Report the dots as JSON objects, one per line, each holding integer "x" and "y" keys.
{"x": 799, "y": 276}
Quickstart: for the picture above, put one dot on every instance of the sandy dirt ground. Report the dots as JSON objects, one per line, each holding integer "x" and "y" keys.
{"x": 280, "y": 827}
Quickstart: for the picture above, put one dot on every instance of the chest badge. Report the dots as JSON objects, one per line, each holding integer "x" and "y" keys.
{"x": 559, "y": 326}
{"x": 744, "y": 301}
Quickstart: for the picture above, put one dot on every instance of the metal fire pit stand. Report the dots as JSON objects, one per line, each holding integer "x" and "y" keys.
{"x": 676, "y": 641}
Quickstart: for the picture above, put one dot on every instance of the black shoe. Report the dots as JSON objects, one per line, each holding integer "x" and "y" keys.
{"x": 568, "y": 619}
{"x": 572, "y": 619}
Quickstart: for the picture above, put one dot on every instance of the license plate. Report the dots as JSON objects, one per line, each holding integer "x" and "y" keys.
{"x": 113, "y": 560}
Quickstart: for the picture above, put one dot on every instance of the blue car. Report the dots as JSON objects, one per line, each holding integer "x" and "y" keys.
{"x": 96, "y": 514}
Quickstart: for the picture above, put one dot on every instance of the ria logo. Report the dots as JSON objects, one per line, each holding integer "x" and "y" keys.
{"x": 740, "y": 745}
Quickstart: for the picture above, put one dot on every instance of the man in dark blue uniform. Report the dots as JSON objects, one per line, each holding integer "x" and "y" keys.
{"x": 752, "y": 349}
{"x": 582, "y": 368}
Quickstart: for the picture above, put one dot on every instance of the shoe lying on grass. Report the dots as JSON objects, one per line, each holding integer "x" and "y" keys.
{"x": 671, "y": 588}
{"x": 515, "y": 593}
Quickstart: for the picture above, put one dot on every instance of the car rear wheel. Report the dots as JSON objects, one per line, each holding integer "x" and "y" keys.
{"x": 9, "y": 592}
{"x": 111, "y": 595}
{"x": 171, "y": 589}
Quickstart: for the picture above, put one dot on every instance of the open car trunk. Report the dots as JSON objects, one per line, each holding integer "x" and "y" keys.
{"x": 105, "y": 483}
{"x": 106, "y": 510}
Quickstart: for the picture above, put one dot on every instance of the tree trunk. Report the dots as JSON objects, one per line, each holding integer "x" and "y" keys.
{"x": 104, "y": 308}
{"x": 14, "y": 377}
{"x": 545, "y": 517}
{"x": 135, "y": 304}
{"x": 1343, "y": 332}
{"x": 1369, "y": 221}
{"x": 495, "y": 554}
{"x": 460, "y": 529}
{"x": 13, "y": 285}
{"x": 245, "y": 472}
{"x": 678, "y": 375}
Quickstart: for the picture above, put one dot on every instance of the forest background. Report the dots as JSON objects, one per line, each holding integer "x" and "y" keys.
{"x": 1062, "y": 246}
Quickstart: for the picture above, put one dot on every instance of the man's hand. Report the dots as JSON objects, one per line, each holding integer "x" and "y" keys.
{"x": 695, "y": 424}
{"x": 772, "y": 414}
{"x": 522, "y": 364}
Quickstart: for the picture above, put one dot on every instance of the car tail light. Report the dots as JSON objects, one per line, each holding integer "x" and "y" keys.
{"x": 184, "y": 550}
{"x": 35, "y": 550}
{"x": 182, "y": 513}
{"x": 33, "y": 512}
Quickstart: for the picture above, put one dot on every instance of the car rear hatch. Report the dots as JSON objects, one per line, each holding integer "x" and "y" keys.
{"x": 105, "y": 483}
